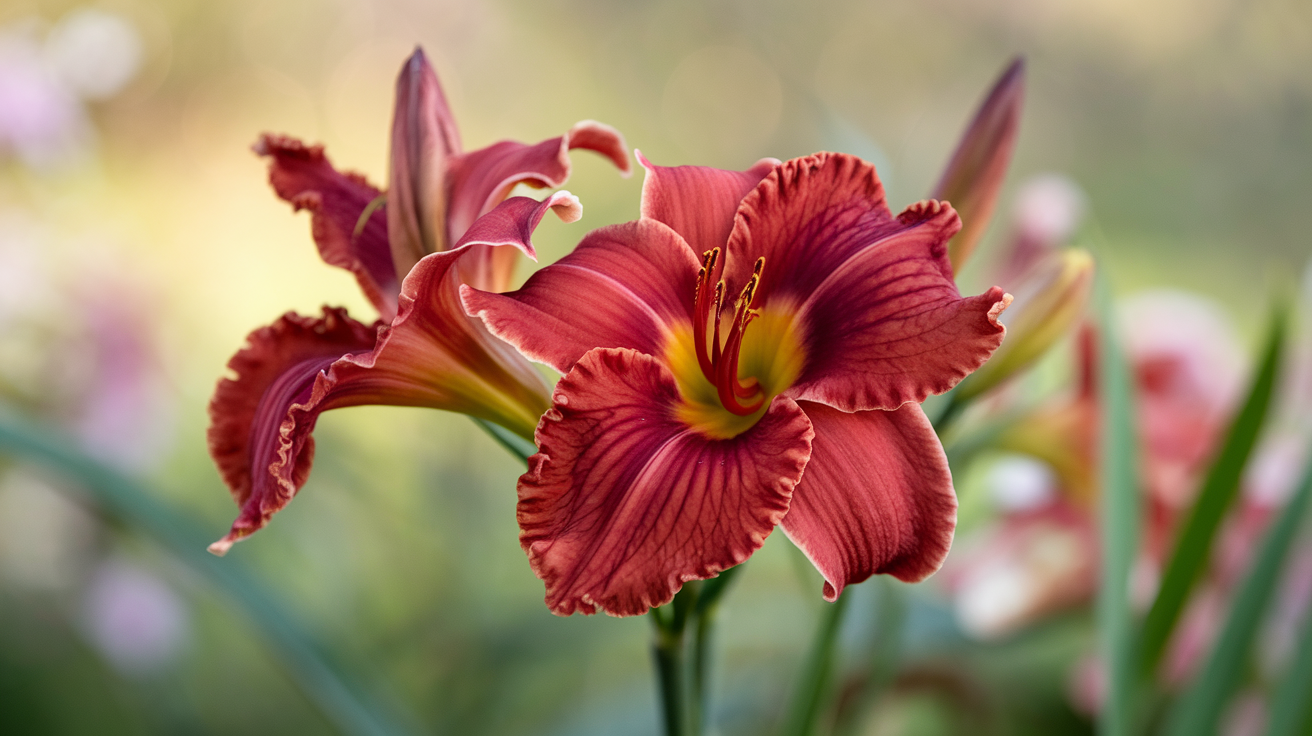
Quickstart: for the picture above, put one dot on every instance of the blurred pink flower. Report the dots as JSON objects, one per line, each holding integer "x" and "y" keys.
{"x": 1183, "y": 354}
{"x": 134, "y": 618}
{"x": 90, "y": 54}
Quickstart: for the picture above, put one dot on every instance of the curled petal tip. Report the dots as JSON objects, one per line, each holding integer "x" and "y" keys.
{"x": 512, "y": 222}
{"x": 221, "y": 547}
{"x": 1052, "y": 296}
{"x": 603, "y": 139}
{"x": 566, "y": 206}
{"x": 1000, "y": 307}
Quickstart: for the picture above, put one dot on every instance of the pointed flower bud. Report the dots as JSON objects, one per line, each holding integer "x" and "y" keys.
{"x": 1049, "y": 301}
{"x": 424, "y": 138}
{"x": 974, "y": 175}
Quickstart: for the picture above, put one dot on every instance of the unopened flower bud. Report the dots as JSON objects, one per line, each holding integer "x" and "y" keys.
{"x": 1048, "y": 302}
{"x": 974, "y": 175}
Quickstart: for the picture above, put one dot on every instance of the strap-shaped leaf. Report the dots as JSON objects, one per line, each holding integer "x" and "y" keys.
{"x": 1291, "y": 710}
{"x": 1120, "y": 522}
{"x": 1197, "y": 712}
{"x": 342, "y": 700}
{"x": 1221, "y": 485}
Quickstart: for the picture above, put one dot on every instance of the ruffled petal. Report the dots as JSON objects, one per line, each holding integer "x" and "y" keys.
{"x": 876, "y": 498}
{"x": 624, "y": 286}
{"x": 805, "y": 218}
{"x": 303, "y": 176}
{"x": 889, "y": 326}
{"x": 478, "y": 180}
{"x": 274, "y": 371}
{"x": 432, "y": 355}
{"x": 512, "y": 223}
{"x": 973, "y": 177}
{"x": 623, "y": 503}
{"x": 698, "y": 202}
{"x": 424, "y": 138}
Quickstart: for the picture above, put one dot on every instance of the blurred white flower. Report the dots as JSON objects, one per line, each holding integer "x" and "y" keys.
{"x": 95, "y": 52}
{"x": 1020, "y": 483}
{"x": 134, "y": 618}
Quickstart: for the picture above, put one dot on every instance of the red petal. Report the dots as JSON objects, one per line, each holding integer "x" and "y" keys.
{"x": 303, "y": 176}
{"x": 479, "y": 180}
{"x": 888, "y": 326}
{"x": 622, "y": 287}
{"x": 698, "y": 202}
{"x": 512, "y": 223}
{"x": 876, "y": 498}
{"x": 432, "y": 355}
{"x": 806, "y": 218}
{"x": 974, "y": 176}
{"x": 275, "y": 370}
{"x": 623, "y": 503}
{"x": 424, "y": 139}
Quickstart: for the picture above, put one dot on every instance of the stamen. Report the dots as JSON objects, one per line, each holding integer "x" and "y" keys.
{"x": 719, "y": 362}
{"x": 702, "y": 310}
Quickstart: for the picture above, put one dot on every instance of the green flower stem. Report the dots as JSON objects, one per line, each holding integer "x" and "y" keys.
{"x": 671, "y": 623}
{"x": 816, "y": 673}
{"x": 514, "y": 444}
{"x": 123, "y": 500}
{"x": 708, "y": 603}
{"x": 1120, "y": 523}
{"x": 882, "y": 656}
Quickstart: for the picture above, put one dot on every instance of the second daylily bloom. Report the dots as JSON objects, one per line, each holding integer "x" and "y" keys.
{"x": 447, "y": 221}
{"x": 750, "y": 327}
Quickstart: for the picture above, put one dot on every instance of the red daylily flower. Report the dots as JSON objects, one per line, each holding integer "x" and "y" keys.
{"x": 750, "y": 352}
{"x": 447, "y": 221}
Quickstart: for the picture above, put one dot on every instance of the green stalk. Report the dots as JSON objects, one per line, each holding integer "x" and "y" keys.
{"x": 124, "y": 501}
{"x": 1120, "y": 524}
{"x": 514, "y": 444}
{"x": 671, "y": 623}
{"x": 708, "y": 603}
{"x": 816, "y": 673}
{"x": 881, "y": 659}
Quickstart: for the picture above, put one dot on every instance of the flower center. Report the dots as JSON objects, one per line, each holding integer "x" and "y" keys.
{"x": 719, "y": 363}
{"x": 728, "y": 374}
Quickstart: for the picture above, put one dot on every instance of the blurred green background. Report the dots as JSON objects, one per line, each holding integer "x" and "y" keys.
{"x": 1188, "y": 123}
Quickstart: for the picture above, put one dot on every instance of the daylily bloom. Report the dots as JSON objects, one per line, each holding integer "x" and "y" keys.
{"x": 445, "y": 222}
{"x": 749, "y": 327}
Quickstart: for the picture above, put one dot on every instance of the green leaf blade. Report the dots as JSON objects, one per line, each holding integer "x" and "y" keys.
{"x": 1120, "y": 522}
{"x": 1197, "y": 712}
{"x": 1218, "y": 491}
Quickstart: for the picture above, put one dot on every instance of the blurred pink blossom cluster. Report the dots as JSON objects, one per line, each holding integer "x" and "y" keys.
{"x": 48, "y": 75}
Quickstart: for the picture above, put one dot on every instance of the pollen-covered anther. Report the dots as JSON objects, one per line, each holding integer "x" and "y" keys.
{"x": 719, "y": 360}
